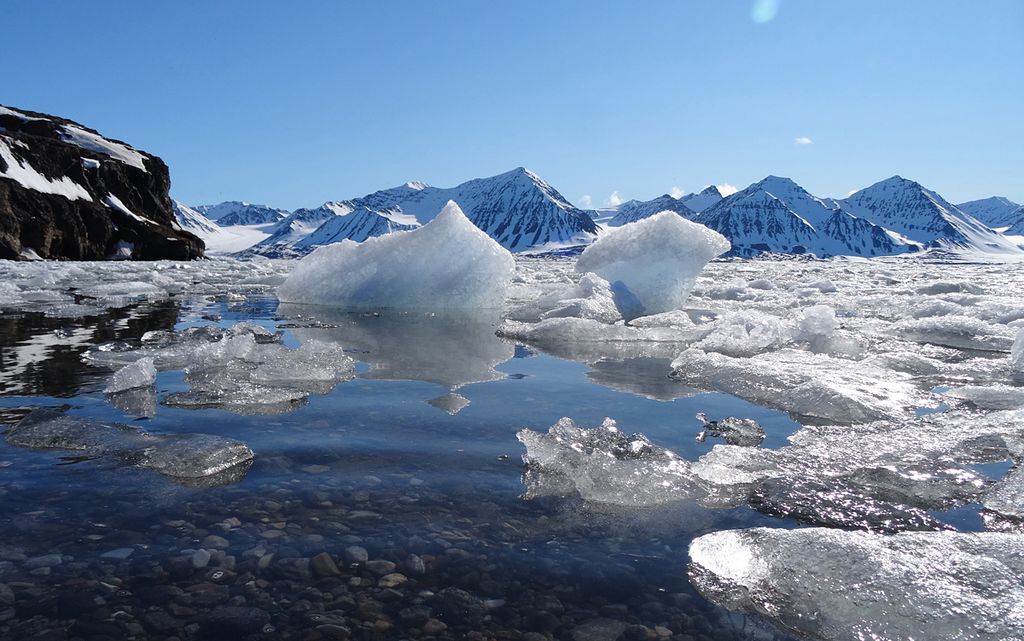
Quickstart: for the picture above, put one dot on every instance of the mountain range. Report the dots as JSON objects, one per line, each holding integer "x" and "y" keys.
{"x": 524, "y": 213}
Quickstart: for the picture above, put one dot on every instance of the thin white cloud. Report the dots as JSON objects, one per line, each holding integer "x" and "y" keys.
{"x": 676, "y": 192}
{"x": 726, "y": 189}
{"x": 615, "y": 199}
{"x": 586, "y": 201}
{"x": 803, "y": 140}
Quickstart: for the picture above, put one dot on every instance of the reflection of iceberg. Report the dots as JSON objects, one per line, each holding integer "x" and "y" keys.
{"x": 451, "y": 350}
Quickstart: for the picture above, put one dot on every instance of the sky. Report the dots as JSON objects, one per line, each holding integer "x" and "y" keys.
{"x": 295, "y": 103}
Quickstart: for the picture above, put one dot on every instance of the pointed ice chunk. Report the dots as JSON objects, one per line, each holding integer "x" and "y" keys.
{"x": 141, "y": 373}
{"x": 448, "y": 263}
{"x": 656, "y": 259}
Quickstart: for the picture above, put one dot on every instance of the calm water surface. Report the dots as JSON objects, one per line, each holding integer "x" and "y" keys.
{"x": 395, "y": 462}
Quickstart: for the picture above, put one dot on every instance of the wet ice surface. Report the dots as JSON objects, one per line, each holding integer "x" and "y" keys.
{"x": 840, "y": 586}
{"x": 409, "y": 450}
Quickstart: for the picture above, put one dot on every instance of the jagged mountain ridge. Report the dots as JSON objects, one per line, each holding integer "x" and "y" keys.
{"x": 707, "y": 197}
{"x": 777, "y": 215}
{"x": 772, "y": 215}
{"x": 234, "y": 212}
{"x": 634, "y": 210}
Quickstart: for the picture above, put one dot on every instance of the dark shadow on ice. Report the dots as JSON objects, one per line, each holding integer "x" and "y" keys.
{"x": 452, "y": 349}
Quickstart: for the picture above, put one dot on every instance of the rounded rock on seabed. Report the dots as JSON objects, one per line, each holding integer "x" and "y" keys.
{"x": 200, "y": 558}
{"x": 230, "y": 621}
{"x": 414, "y": 565}
{"x": 392, "y": 580}
{"x": 334, "y": 632}
{"x": 380, "y": 567}
{"x": 356, "y": 554}
{"x": 323, "y": 565}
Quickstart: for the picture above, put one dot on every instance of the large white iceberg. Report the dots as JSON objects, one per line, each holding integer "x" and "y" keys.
{"x": 656, "y": 259}
{"x": 850, "y": 586}
{"x": 447, "y": 263}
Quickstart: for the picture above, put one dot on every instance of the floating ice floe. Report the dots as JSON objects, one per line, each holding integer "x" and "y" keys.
{"x": 243, "y": 369}
{"x": 852, "y": 586}
{"x": 449, "y": 263}
{"x": 961, "y": 332}
{"x": 603, "y": 465}
{"x": 192, "y": 459}
{"x": 656, "y": 260}
{"x": 883, "y": 476}
{"x": 811, "y": 385}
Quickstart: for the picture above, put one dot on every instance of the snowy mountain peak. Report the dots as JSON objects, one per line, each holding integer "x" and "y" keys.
{"x": 416, "y": 185}
{"x": 996, "y": 211}
{"x": 909, "y": 209}
{"x": 706, "y": 198}
{"x": 239, "y": 212}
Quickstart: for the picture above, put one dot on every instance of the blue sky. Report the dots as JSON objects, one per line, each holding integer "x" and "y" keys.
{"x": 295, "y": 103}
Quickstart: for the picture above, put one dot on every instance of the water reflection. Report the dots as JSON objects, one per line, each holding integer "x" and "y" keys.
{"x": 647, "y": 377}
{"x": 451, "y": 350}
{"x": 42, "y": 356}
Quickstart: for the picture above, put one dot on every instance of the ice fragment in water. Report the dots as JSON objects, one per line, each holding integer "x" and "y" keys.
{"x": 602, "y": 465}
{"x": 141, "y": 373}
{"x": 188, "y": 458}
{"x": 656, "y": 259}
{"x": 835, "y": 585}
{"x": 447, "y": 263}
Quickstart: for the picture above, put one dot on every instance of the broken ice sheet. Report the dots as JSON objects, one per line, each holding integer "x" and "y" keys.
{"x": 836, "y": 585}
{"x": 805, "y": 384}
{"x": 243, "y": 369}
{"x": 882, "y": 476}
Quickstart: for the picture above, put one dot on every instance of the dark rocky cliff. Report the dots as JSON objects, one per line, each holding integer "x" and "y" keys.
{"x": 66, "y": 192}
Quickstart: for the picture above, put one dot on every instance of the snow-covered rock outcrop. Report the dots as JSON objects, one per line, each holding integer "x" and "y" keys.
{"x": 68, "y": 192}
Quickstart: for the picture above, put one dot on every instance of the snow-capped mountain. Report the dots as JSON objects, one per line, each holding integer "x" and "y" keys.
{"x": 218, "y": 240}
{"x": 299, "y": 224}
{"x": 777, "y": 215}
{"x": 698, "y": 202}
{"x": 634, "y": 210}
{"x": 518, "y": 209}
{"x": 235, "y": 212}
{"x": 191, "y": 220}
{"x": 358, "y": 225}
{"x": 907, "y": 208}
{"x": 996, "y": 212}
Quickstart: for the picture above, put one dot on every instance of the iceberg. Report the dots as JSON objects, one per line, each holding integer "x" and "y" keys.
{"x": 834, "y": 585}
{"x": 656, "y": 259}
{"x": 449, "y": 263}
